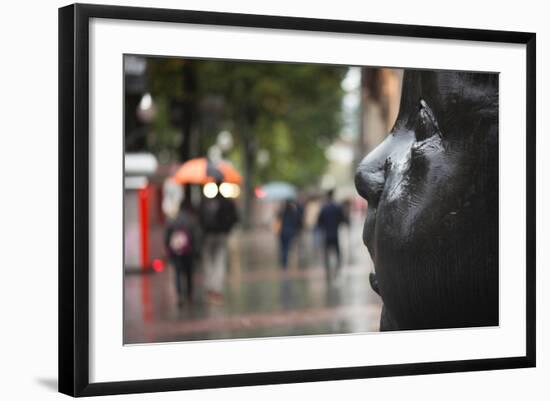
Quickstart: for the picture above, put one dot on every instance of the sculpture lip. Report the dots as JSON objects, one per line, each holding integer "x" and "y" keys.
{"x": 369, "y": 239}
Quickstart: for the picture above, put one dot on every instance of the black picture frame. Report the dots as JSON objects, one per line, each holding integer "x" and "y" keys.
{"x": 74, "y": 193}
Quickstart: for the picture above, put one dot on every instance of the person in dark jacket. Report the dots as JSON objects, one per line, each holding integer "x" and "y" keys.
{"x": 218, "y": 216}
{"x": 328, "y": 222}
{"x": 290, "y": 224}
{"x": 181, "y": 241}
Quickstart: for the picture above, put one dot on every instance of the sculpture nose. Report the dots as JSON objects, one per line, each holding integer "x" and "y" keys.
{"x": 370, "y": 174}
{"x": 369, "y": 181}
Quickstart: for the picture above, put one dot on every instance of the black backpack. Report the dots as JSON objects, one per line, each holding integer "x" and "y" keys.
{"x": 218, "y": 215}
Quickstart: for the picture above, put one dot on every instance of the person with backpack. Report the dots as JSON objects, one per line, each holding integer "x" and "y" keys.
{"x": 181, "y": 241}
{"x": 218, "y": 215}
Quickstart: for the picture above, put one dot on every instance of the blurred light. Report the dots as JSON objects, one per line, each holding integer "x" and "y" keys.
{"x": 146, "y": 102}
{"x": 134, "y": 65}
{"x": 172, "y": 195}
{"x": 262, "y": 157}
{"x": 158, "y": 265}
{"x": 229, "y": 190}
{"x": 146, "y": 110}
{"x": 352, "y": 79}
{"x": 225, "y": 141}
{"x": 210, "y": 190}
{"x": 340, "y": 153}
{"x": 351, "y": 101}
{"x": 327, "y": 182}
{"x": 259, "y": 193}
{"x": 214, "y": 153}
{"x": 140, "y": 164}
{"x": 139, "y": 182}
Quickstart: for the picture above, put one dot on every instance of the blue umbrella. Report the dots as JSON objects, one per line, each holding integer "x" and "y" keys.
{"x": 276, "y": 190}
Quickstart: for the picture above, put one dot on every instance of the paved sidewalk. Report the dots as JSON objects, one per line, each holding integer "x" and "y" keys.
{"x": 261, "y": 300}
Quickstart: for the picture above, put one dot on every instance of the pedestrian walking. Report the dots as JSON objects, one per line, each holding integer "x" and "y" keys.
{"x": 330, "y": 218}
{"x": 301, "y": 234}
{"x": 289, "y": 225}
{"x": 181, "y": 241}
{"x": 218, "y": 215}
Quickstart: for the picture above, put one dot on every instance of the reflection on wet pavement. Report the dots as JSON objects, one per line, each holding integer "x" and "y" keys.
{"x": 261, "y": 300}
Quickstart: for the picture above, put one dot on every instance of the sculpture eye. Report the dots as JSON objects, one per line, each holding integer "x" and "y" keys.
{"x": 387, "y": 166}
{"x": 426, "y": 126}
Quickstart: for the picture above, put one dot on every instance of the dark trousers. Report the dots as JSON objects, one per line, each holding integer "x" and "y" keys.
{"x": 184, "y": 268}
{"x": 332, "y": 245}
{"x": 286, "y": 242}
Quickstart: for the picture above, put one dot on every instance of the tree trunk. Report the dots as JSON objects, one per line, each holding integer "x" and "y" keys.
{"x": 249, "y": 166}
{"x": 189, "y": 114}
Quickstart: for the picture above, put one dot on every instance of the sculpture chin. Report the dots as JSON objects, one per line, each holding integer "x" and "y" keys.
{"x": 369, "y": 241}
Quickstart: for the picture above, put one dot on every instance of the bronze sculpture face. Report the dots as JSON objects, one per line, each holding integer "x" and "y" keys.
{"x": 432, "y": 192}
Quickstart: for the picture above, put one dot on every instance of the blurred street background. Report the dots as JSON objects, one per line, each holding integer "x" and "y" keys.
{"x": 241, "y": 216}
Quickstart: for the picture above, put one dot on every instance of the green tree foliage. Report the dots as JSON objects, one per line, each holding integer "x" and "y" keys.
{"x": 292, "y": 111}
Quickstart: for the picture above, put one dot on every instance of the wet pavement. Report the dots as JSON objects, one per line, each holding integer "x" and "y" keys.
{"x": 261, "y": 300}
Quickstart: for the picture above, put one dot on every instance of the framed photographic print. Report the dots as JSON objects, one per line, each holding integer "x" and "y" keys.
{"x": 253, "y": 199}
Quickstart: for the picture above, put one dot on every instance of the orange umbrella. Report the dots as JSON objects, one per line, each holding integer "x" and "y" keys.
{"x": 202, "y": 170}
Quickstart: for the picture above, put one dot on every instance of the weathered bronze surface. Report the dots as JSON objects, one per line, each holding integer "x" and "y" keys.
{"x": 432, "y": 191}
